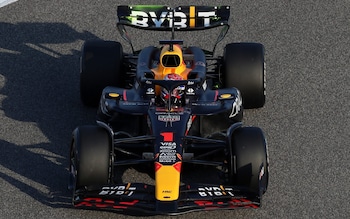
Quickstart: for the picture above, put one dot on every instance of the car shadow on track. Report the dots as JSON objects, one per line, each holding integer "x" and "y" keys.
{"x": 39, "y": 97}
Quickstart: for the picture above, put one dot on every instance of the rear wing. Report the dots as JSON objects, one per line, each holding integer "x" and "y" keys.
{"x": 165, "y": 18}
{"x": 160, "y": 17}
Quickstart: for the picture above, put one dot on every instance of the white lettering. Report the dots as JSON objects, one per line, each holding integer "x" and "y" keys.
{"x": 104, "y": 192}
{"x": 139, "y": 18}
{"x": 160, "y": 21}
{"x": 169, "y": 118}
{"x": 202, "y": 194}
{"x": 167, "y": 147}
{"x": 173, "y": 144}
{"x": 119, "y": 193}
{"x": 218, "y": 193}
{"x": 215, "y": 191}
{"x": 117, "y": 190}
{"x": 167, "y": 151}
{"x": 182, "y": 22}
{"x": 206, "y": 16}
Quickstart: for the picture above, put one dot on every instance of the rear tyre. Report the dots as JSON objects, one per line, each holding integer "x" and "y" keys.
{"x": 101, "y": 66}
{"x": 244, "y": 68}
{"x": 250, "y": 159}
{"x": 90, "y": 157}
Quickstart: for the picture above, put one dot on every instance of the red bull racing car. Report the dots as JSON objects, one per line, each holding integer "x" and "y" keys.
{"x": 168, "y": 107}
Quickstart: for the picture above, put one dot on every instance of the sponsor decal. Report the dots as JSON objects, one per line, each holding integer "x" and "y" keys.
{"x": 215, "y": 191}
{"x": 169, "y": 118}
{"x": 167, "y": 158}
{"x": 181, "y": 19}
{"x": 167, "y": 145}
{"x": 150, "y": 91}
{"x": 190, "y": 91}
{"x": 167, "y": 149}
{"x": 118, "y": 190}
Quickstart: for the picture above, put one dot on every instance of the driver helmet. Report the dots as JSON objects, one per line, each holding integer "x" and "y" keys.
{"x": 176, "y": 94}
{"x": 171, "y": 61}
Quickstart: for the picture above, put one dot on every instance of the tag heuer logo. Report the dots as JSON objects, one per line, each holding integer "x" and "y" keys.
{"x": 169, "y": 118}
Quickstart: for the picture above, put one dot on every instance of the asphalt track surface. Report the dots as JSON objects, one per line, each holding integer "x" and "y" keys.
{"x": 305, "y": 119}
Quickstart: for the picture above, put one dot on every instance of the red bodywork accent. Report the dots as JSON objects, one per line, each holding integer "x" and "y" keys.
{"x": 102, "y": 203}
{"x": 216, "y": 95}
{"x": 234, "y": 203}
{"x": 188, "y": 129}
{"x": 177, "y": 166}
{"x": 168, "y": 136}
{"x": 157, "y": 166}
{"x": 129, "y": 203}
{"x": 156, "y": 156}
{"x": 179, "y": 156}
{"x": 124, "y": 96}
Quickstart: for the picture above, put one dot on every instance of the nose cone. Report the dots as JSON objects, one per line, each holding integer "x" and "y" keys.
{"x": 167, "y": 181}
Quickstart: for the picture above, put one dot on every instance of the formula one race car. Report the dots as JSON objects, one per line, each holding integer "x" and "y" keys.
{"x": 170, "y": 107}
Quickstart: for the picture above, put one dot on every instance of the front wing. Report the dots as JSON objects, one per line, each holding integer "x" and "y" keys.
{"x": 138, "y": 197}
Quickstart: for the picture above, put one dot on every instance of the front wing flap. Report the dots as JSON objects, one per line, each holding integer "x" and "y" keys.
{"x": 138, "y": 197}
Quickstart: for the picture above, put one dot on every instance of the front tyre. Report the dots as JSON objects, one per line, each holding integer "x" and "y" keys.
{"x": 90, "y": 157}
{"x": 249, "y": 166}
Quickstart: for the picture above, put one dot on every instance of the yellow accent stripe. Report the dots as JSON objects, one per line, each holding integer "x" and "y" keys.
{"x": 192, "y": 16}
{"x": 222, "y": 189}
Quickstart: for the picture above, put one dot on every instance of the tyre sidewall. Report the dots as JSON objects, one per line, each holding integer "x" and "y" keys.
{"x": 250, "y": 159}
{"x": 92, "y": 151}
